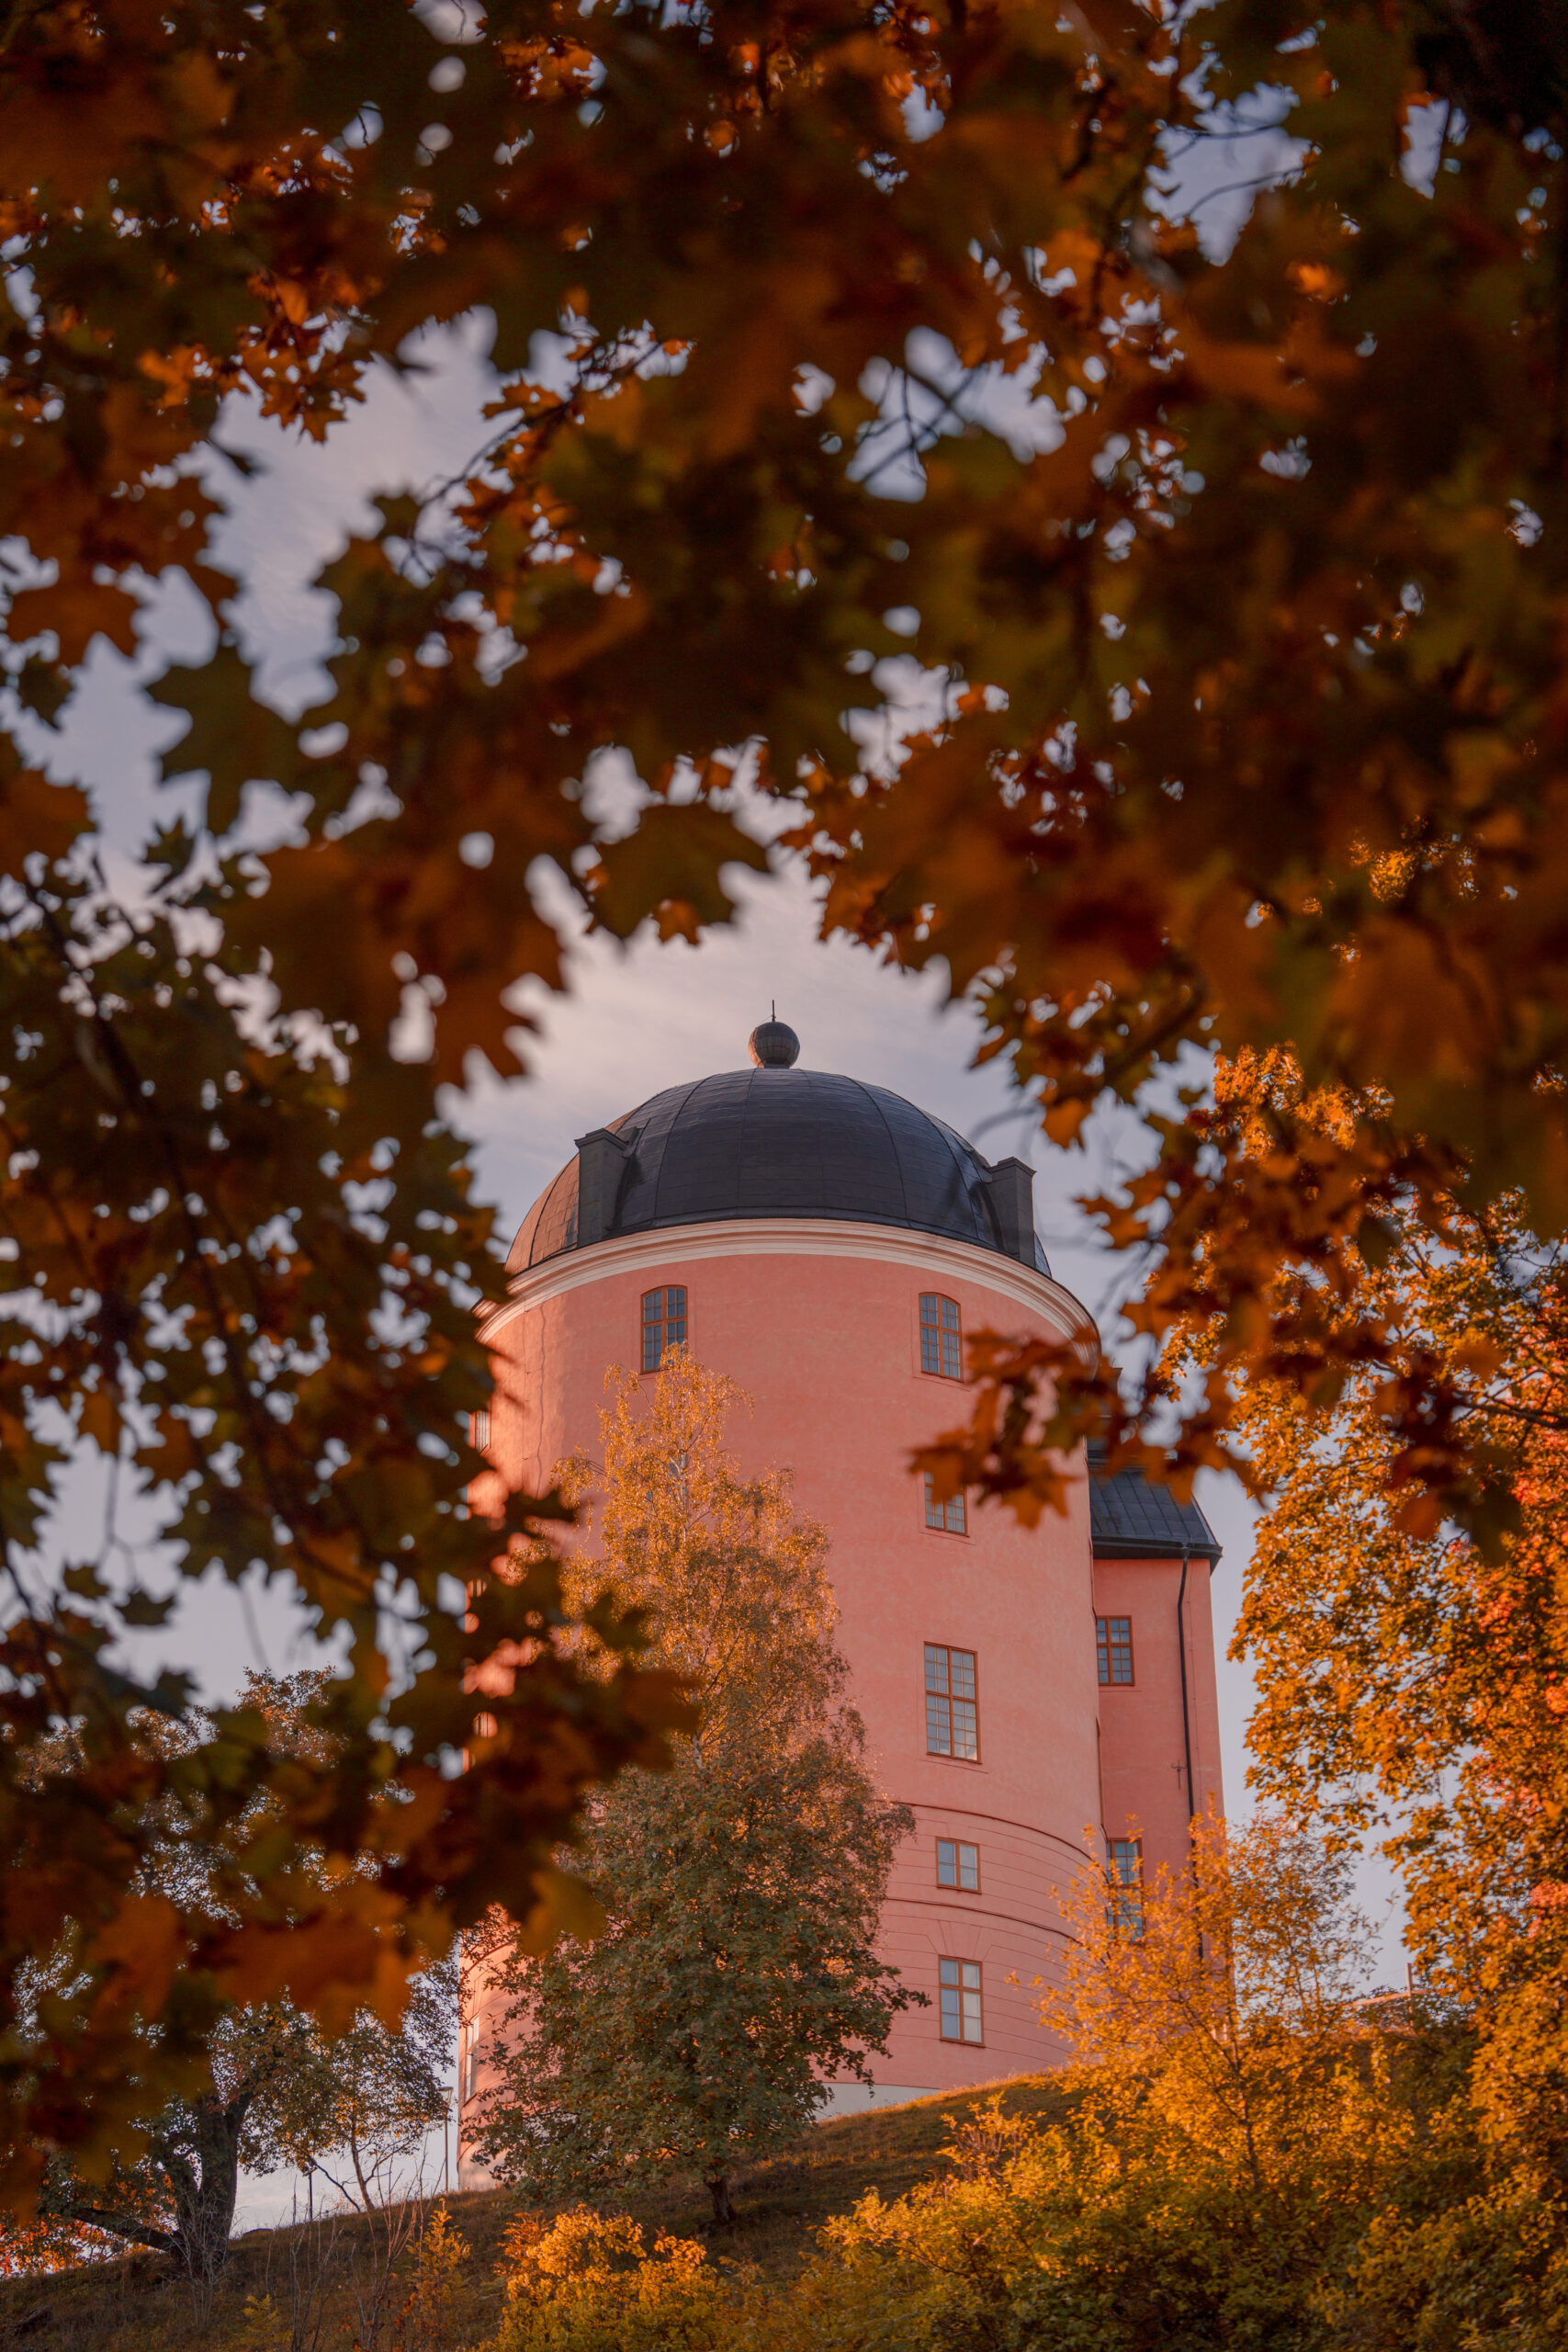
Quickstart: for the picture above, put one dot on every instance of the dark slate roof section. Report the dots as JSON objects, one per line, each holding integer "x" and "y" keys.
{"x": 780, "y": 1142}
{"x": 1131, "y": 1520}
{"x": 550, "y": 1225}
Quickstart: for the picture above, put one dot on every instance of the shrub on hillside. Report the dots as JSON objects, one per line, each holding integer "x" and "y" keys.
{"x": 1103, "y": 2234}
{"x": 1250, "y": 2157}
{"x": 587, "y": 2282}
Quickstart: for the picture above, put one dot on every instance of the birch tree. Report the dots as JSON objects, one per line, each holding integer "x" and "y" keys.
{"x": 739, "y": 1963}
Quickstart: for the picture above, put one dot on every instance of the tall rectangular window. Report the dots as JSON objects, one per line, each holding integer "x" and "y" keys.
{"x": 941, "y": 1342}
{"x": 961, "y": 2017}
{"x": 950, "y": 1516}
{"x": 478, "y": 1430}
{"x": 953, "y": 1724}
{"x": 958, "y": 1865}
{"x": 1113, "y": 1648}
{"x": 663, "y": 1324}
{"x": 1124, "y": 1877}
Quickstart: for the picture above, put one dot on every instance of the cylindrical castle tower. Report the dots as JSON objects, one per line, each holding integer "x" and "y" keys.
{"x": 829, "y": 1246}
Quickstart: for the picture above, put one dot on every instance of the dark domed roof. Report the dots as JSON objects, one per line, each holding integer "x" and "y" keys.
{"x": 777, "y": 1141}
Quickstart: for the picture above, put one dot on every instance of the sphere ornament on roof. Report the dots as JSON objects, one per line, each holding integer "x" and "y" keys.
{"x": 774, "y": 1045}
{"x": 776, "y": 1141}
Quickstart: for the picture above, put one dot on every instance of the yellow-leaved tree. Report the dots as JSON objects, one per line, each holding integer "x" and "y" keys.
{"x": 1413, "y": 1681}
{"x": 1221, "y": 1999}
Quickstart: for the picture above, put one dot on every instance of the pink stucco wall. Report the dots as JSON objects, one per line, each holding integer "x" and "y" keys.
{"x": 820, "y": 1324}
{"x": 1142, "y": 1761}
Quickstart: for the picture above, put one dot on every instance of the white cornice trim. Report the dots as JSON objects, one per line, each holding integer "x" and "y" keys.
{"x": 803, "y": 1236}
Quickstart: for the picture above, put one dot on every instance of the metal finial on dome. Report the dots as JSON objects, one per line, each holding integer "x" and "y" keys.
{"x": 774, "y": 1045}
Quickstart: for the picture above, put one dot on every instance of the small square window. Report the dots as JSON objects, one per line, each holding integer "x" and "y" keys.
{"x": 1113, "y": 1648}
{"x": 961, "y": 2014}
{"x": 941, "y": 1340}
{"x": 1124, "y": 1877}
{"x": 958, "y": 1865}
{"x": 953, "y": 1725}
{"x": 663, "y": 1324}
{"x": 951, "y": 1517}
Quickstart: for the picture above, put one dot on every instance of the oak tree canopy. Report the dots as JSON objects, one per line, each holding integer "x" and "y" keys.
{"x": 823, "y": 332}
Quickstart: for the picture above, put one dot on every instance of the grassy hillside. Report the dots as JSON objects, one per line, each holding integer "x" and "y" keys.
{"x": 321, "y": 2283}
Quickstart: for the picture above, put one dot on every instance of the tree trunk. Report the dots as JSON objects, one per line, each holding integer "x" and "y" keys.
{"x": 207, "y": 2189}
{"x": 201, "y": 2168}
{"x": 116, "y": 2225}
{"x": 718, "y": 2189}
{"x": 364, "y": 2191}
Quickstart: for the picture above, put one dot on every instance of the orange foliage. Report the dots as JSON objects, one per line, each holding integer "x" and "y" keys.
{"x": 1254, "y": 742}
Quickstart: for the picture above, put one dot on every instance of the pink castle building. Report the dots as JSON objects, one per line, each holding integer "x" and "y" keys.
{"x": 1029, "y": 1695}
